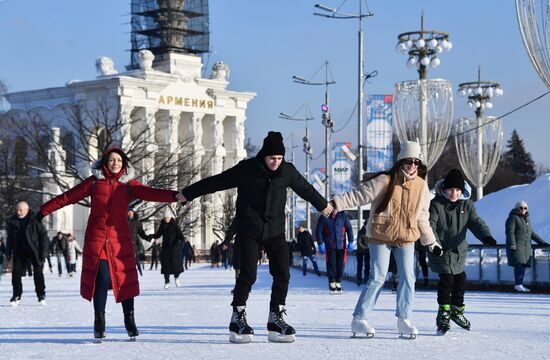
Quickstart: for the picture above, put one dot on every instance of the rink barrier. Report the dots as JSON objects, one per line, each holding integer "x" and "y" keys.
{"x": 486, "y": 268}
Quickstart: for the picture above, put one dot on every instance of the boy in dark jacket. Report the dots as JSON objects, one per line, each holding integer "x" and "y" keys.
{"x": 451, "y": 214}
{"x": 261, "y": 184}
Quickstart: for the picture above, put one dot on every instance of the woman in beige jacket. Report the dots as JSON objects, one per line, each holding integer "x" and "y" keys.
{"x": 400, "y": 201}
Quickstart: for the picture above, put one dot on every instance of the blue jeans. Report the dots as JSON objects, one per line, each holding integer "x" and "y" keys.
{"x": 380, "y": 259}
{"x": 519, "y": 273}
{"x": 313, "y": 261}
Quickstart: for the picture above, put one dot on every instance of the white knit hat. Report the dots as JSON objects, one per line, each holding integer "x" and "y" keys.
{"x": 410, "y": 149}
{"x": 521, "y": 203}
{"x": 168, "y": 213}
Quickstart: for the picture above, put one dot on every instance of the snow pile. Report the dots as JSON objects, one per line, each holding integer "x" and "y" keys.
{"x": 495, "y": 207}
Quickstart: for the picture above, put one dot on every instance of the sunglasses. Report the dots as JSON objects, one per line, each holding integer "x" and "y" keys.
{"x": 522, "y": 208}
{"x": 412, "y": 161}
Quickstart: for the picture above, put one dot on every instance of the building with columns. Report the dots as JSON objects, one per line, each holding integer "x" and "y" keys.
{"x": 167, "y": 101}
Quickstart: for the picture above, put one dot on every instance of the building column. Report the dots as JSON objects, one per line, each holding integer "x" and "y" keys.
{"x": 197, "y": 149}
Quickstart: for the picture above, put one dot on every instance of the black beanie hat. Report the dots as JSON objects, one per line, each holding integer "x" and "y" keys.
{"x": 273, "y": 144}
{"x": 454, "y": 179}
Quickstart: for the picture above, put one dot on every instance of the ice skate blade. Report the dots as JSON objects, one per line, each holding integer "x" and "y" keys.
{"x": 274, "y": 336}
{"x": 441, "y": 332}
{"x": 240, "y": 339}
{"x": 367, "y": 336}
{"x": 43, "y": 302}
{"x": 98, "y": 341}
{"x": 14, "y": 303}
{"x": 407, "y": 336}
{"x": 132, "y": 339}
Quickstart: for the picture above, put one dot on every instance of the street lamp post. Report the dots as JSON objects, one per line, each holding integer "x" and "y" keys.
{"x": 419, "y": 124}
{"x": 307, "y": 150}
{"x": 479, "y": 168}
{"x": 327, "y": 121}
{"x": 335, "y": 14}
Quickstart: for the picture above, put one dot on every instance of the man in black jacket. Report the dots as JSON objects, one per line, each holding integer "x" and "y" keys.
{"x": 307, "y": 249}
{"x": 27, "y": 241}
{"x": 262, "y": 184}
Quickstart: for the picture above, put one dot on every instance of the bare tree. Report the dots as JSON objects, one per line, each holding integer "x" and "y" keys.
{"x": 223, "y": 222}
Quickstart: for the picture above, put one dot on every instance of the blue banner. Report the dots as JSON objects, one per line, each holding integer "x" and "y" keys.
{"x": 379, "y": 149}
{"x": 341, "y": 168}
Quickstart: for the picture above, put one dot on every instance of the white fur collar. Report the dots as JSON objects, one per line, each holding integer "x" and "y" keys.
{"x": 98, "y": 173}
{"x": 407, "y": 176}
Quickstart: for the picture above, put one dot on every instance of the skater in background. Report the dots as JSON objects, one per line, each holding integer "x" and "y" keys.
{"x": 187, "y": 254}
{"x": 137, "y": 233}
{"x": 399, "y": 200}
{"x": 215, "y": 253}
{"x": 363, "y": 256}
{"x": 306, "y": 245}
{"x": 334, "y": 235}
{"x": 171, "y": 262}
{"x": 59, "y": 248}
{"x": 2, "y": 254}
{"x": 262, "y": 184}
{"x": 27, "y": 243}
{"x": 519, "y": 234}
{"x": 451, "y": 215}
{"x": 72, "y": 250}
{"x": 108, "y": 260}
{"x": 292, "y": 247}
{"x": 155, "y": 251}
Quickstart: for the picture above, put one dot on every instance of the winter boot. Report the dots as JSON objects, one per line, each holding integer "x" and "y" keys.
{"x": 360, "y": 326}
{"x": 332, "y": 288}
{"x": 457, "y": 315}
{"x": 14, "y": 301}
{"x": 406, "y": 329}
{"x": 239, "y": 331}
{"x": 130, "y": 324}
{"x": 278, "y": 329}
{"x": 443, "y": 318}
{"x": 99, "y": 325}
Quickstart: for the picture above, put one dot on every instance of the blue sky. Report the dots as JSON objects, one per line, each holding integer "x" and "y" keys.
{"x": 47, "y": 43}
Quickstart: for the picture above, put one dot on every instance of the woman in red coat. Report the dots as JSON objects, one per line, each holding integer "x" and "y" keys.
{"x": 108, "y": 260}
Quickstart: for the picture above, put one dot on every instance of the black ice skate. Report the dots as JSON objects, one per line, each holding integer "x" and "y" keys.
{"x": 457, "y": 315}
{"x": 443, "y": 319}
{"x": 99, "y": 326}
{"x": 239, "y": 331}
{"x": 332, "y": 288}
{"x": 130, "y": 324}
{"x": 278, "y": 329}
{"x": 14, "y": 301}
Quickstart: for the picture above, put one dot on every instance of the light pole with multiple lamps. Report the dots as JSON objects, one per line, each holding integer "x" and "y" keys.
{"x": 307, "y": 149}
{"x": 332, "y": 13}
{"x": 423, "y": 108}
{"x": 478, "y": 140}
{"x": 327, "y": 121}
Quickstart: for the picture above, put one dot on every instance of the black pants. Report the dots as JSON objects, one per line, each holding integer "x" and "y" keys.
{"x": 421, "y": 255}
{"x": 277, "y": 251}
{"x": 451, "y": 288}
{"x": 20, "y": 261}
{"x": 363, "y": 266}
{"x": 102, "y": 284}
{"x": 167, "y": 277}
{"x": 335, "y": 265}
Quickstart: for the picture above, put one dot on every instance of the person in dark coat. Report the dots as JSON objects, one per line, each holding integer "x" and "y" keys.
{"x": 187, "y": 254}
{"x": 27, "y": 242}
{"x": 170, "y": 251}
{"x": 108, "y": 260}
{"x": 363, "y": 256}
{"x": 59, "y": 249}
{"x": 306, "y": 245}
{"x": 137, "y": 233}
{"x": 262, "y": 184}
{"x": 519, "y": 234}
{"x": 215, "y": 253}
{"x": 451, "y": 215}
{"x": 334, "y": 235}
{"x": 155, "y": 251}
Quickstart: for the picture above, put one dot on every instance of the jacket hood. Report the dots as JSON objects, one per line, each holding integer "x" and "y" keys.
{"x": 466, "y": 194}
{"x": 125, "y": 175}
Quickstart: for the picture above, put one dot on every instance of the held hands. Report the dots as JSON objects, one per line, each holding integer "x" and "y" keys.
{"x": 328, "y": 210}
{"x": 436, "y": 249}
{"x": 181, "y": 198}
{"x": 489, "y": 240}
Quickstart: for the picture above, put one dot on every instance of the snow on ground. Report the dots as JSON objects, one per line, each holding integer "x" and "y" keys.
{"x": 495, "y": 207}
{"x": 191, "y": 323}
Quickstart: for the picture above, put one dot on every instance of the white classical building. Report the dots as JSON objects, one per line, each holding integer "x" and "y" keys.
{"x": 169, "y": 100}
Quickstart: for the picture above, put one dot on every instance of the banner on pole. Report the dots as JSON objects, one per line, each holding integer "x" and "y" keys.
{"x": 341, "y": 168}
{"x": 379, "y": 149}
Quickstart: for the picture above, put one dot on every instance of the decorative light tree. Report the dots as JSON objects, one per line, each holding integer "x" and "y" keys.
{"x": 478, "y": 140}
{"x": 424, "y": 108}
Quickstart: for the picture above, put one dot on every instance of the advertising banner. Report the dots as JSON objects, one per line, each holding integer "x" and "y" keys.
{"x": 379, "y": 149}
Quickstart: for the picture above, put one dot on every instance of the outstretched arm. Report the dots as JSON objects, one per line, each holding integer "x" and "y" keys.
{"x": 72, "y": 196}
{"x": 223, "y": 181}
{"x": 147, "y": 193}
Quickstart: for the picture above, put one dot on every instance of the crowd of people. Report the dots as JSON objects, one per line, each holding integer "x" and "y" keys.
{"x": 404, "y": 225}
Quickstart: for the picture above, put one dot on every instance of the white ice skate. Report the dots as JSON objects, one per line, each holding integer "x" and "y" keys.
{"x": 15, "y": 300}
{"x": 178, "y": 283}
{"x": 360, "y": 326}
{"x": 521, "y": 288}
{"x": 406, "y": 329}
{"x": 166, "y": 286}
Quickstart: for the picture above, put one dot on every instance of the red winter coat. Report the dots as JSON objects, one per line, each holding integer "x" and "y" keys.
{"x": 107, "y": 230}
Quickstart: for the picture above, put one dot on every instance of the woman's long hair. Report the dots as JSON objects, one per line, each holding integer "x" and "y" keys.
{"x": 421, "y": 171}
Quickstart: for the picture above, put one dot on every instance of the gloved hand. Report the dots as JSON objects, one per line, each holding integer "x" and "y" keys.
{"x": 39, "y": 216}
{"x": 322, "y": 249}
{"x": 436, "y": 249}
{"x": 489, "y": 240}
{"x": 352, "y": 246}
